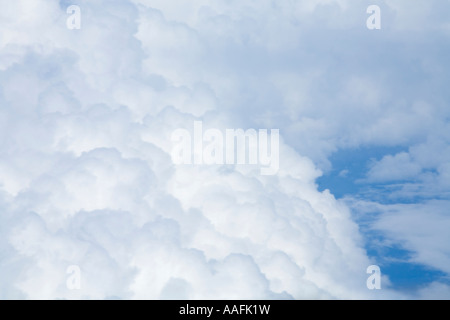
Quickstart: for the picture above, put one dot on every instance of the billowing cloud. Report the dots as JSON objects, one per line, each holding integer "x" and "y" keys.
{"x": 86, "y": 117}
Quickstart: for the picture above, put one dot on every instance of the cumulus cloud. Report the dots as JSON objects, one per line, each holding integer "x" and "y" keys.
{"x": 86, "y": 119}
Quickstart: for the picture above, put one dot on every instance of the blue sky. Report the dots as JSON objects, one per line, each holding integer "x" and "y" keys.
{"x": 87, "y": 179}
{"x": 345, "y": 180}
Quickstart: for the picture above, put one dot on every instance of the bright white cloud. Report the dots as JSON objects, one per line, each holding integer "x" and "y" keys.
{"x": 85, "y": 124}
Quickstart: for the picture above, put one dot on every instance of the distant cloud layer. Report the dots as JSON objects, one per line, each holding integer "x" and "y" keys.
{"x": 87, "y": 179}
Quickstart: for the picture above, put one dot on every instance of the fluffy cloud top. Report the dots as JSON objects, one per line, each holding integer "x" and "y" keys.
{"x": 86, "y": 118}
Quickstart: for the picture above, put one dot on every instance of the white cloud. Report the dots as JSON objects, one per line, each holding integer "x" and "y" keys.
{"x": 391, "y": 168}
{"x": 435, "y": 291}
{"x": 85, "y": 171}
{"x": 421, "y": 229}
